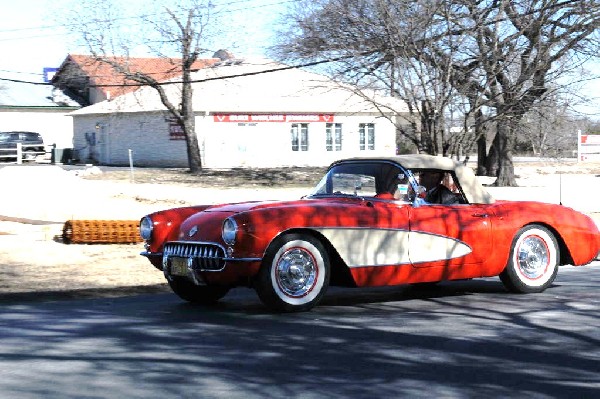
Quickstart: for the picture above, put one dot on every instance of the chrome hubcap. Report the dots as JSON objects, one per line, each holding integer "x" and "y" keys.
{"x": 296, "y": 272}
{"x": 533, "y": 257}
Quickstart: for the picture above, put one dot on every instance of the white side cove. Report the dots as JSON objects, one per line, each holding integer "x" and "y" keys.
{"x": 425, "y": 247}
{"x": 361, "y": 247}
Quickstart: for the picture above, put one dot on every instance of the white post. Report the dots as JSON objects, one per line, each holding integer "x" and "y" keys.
{"x": 579, "y": 146}
{"x": 19, "y": 153}
{"x": 131, "y": 165}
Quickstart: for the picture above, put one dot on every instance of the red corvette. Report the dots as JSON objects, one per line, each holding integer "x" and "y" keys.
{"x": 369, "y": 222}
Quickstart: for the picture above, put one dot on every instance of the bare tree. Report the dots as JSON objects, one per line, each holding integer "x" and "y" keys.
{"x": 369, "y": 41}
{"x": 520, "y": 45}
{"x": 501, "y": 56}
{"x": 549, "y": 129}
{"x": 174, "y": 32}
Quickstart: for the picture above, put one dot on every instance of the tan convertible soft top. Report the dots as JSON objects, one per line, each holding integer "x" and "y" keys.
{"x": 474, "y": 191}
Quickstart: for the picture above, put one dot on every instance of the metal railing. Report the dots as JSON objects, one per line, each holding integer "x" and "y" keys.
{"x": 23, "y": 152}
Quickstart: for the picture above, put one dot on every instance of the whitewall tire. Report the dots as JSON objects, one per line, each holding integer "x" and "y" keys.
{"x": 295, "y": 273}
{"x": 533, "y": 262}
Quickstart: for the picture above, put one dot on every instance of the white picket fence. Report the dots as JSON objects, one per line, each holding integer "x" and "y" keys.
{"x": 24, "y": 152}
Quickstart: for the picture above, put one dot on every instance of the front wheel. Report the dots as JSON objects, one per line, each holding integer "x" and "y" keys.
{"x": 201, "y": 294}
{"x": 295, "y": 273}
{"x": 533, "y": 262}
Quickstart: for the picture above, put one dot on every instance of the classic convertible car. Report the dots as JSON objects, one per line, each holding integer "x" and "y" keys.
{"x": 368, "y": 222}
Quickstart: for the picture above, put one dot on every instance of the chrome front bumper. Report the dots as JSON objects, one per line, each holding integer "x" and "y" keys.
{"x": 189, "y": 259}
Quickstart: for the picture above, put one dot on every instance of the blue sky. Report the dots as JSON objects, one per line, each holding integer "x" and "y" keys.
{"x": 32, "y": 37}
{"x": 29, "y": 40}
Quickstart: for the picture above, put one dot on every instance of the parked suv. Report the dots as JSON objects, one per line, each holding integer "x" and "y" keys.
{"x": 33, "y": 145}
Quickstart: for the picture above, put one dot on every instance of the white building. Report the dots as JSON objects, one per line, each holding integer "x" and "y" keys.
{"x": 246, "y": 115}
{"x": 37, "y": 108}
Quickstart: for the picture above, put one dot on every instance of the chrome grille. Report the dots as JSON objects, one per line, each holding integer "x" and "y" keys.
{"x": 206, "y": 256}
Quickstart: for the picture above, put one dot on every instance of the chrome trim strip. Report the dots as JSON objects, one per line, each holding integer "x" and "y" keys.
{"x": 227, "y": 259}
{"x": 196, "y": 242}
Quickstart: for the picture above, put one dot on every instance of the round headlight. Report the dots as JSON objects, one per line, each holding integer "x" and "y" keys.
{"x": 230, "y": 229}
{"x": 146, "y": 227}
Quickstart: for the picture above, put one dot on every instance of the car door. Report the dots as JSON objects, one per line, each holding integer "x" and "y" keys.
{"x": 450, "y": 235}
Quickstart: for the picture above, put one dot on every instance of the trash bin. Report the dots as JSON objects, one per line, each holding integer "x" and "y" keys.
{"x": 62, "y": 155}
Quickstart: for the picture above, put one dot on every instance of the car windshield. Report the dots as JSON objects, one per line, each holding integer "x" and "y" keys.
{"x": 32, "y": 137}
{"x": 21, "y": 136}
{"x": 365, "y": 179}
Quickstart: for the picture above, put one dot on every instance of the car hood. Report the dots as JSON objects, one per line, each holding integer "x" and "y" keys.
{"x": 213, "y": 216}
{"x": 244, "y": 206}
{"x": 305, "y": 202}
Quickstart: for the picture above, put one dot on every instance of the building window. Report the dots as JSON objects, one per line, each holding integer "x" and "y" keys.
{"x": 366, "y": 132}
{"x": 333, "y": 137}
{"x": 299, "y": 136}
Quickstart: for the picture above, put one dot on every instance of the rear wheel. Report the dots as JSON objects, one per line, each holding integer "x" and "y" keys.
{"x": 533, "y": 262}
{"x": 191, "y": 292}
{"x": 295, "y": 273}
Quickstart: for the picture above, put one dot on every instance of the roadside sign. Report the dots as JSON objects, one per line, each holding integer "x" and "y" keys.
{"x": 588, "y": 147}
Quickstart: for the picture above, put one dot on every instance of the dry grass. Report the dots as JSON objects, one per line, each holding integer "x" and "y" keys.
{"x": 216, "y": 178}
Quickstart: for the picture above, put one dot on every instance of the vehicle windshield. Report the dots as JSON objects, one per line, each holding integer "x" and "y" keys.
{"x": 32, "y": 137}
{"x": 382, "y": 180}
{"x": 20, "y": 136}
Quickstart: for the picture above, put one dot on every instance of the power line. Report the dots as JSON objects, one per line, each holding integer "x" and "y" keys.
{"x": 171, "y": 82}
{"x": 20, "y": 72}
{"x": 26, "y": 82}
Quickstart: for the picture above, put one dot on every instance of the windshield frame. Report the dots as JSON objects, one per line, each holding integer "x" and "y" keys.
{"x": 376, "y": 170}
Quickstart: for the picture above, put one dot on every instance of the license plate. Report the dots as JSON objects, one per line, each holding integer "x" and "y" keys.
{"x": 179, "y": 266}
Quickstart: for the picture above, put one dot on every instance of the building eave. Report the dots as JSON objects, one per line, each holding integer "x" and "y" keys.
{"x": 40, "y": 107}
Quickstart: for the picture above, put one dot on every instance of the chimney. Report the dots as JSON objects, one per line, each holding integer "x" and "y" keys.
{"x": 223, "y": 55}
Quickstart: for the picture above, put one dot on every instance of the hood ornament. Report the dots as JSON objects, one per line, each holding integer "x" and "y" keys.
{"x": 193, "y": 231}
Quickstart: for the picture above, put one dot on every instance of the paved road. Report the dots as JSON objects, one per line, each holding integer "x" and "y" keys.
{"x": 462, "y": 339}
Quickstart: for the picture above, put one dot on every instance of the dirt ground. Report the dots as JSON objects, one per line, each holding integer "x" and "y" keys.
{"x": 36, "y": 264}
{"x": 215, "y": 178}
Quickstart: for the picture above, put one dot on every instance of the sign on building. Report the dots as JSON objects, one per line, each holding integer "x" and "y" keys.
{"x": 175, "y": 130}
{"x": 588, "y": 147}
{"x": 253, "y": 118}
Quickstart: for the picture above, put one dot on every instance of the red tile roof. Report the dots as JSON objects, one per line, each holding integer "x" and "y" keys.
{"x": 108, "y": 80}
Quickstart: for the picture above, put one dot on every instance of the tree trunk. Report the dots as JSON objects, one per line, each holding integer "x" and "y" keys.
{"x": 481, "y": 155}
{"x": 189, "y": 118}
{"x": 481, "y": 137}
{"x": 505, "y": 173}
{"x": 491, "y": 161}
{"x": 189, "y": 127}
{"x": 193, "y": 148}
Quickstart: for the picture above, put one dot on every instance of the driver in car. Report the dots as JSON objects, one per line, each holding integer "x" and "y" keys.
{"x": 437, "y": 192}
